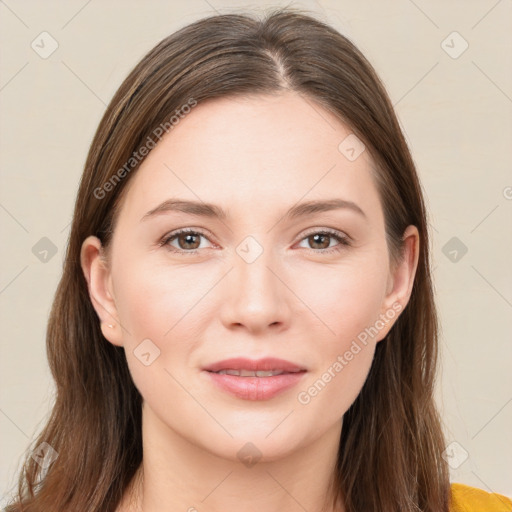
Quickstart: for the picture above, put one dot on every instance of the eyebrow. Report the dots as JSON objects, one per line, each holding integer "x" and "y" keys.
{"x": 213, "y": 211}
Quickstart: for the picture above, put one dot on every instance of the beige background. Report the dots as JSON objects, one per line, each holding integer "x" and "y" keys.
{"x": 456, "y": 114}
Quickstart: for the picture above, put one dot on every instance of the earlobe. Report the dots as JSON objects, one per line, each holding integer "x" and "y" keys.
{"x": 401, "y": 279}
{"x": 99, "y": 284}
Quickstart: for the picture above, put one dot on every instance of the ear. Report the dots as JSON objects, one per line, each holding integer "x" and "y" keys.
{"x": 400, "y": 281}
{"x": 99, "y": 283}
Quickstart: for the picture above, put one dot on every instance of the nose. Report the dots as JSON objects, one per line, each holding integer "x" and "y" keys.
{"x": 256, "y": 298}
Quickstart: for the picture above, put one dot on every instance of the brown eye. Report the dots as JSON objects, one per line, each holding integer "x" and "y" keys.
{"x": 185, "y": 241}
{"x": 320, "y": 241}
{"x": 188, "y": 241}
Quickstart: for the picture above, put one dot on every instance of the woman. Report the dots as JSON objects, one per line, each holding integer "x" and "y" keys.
{"x": 246, "y": 314}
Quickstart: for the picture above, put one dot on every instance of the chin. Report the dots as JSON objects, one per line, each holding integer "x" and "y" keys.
{"x": 256, "y": 445}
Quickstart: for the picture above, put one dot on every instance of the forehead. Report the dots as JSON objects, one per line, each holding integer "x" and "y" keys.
{"x": 246, "y": 151}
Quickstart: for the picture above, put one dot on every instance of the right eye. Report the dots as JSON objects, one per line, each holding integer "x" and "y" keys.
{"x": 187, "y": 239}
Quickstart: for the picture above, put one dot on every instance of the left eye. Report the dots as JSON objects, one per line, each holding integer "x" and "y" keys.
{"x": 320, "y": 237}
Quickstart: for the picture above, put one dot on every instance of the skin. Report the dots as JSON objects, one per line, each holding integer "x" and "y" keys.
{"x": 255, "y": 157}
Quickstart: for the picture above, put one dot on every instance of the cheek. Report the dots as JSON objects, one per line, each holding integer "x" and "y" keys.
{"x": 347, "y": 298}
{"x": 344, "y": 358}
{"x": 346, "y": 348}
{"x": 156, "y": 307}
{"x": 155, "y": 301}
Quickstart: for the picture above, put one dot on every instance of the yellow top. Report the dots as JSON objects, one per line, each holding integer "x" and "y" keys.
{"x": 471, "y": 499}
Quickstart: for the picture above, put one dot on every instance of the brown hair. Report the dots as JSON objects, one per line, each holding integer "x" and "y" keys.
{"x": 391, "y": 441}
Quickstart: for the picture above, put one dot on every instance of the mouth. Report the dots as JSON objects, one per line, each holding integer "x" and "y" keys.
{"x": 251, "y": 373}
{"x": 260, "y": 379}
{"x": 250, "y": 367}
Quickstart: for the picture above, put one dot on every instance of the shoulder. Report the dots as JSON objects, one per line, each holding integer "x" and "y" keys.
{"x": 471, "y": 499}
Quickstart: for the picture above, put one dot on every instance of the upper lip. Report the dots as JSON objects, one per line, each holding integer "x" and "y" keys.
{"x": 265, "y": 364}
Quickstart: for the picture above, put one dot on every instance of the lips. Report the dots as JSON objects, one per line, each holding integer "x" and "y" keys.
{"x": 251, "y": 373}
{"x": 250, "y": 379}
{"x": 248, "y": 367}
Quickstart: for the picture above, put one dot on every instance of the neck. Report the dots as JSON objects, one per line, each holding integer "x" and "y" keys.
{"x": 178, "y": 475}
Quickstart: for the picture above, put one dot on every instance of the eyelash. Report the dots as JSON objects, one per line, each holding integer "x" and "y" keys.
{"x": 344, "y": 241}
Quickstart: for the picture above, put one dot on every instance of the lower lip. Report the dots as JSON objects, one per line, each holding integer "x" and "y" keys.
{"x": 256, "y": 388}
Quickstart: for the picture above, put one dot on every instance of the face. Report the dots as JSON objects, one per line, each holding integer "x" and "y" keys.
{"x": 312, "y": 287}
